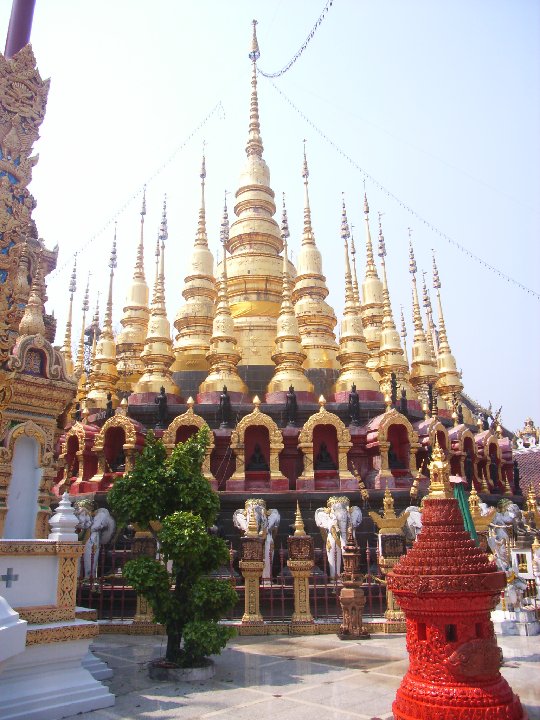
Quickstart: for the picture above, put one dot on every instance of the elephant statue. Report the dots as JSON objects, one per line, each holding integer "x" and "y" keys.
{"x": 334, "y": 520}
{"x": 95, "y": 529}
{"x": 413, "y": 524}
{"x": 267, "y": 526}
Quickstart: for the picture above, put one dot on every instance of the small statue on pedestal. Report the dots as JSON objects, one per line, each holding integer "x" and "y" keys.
{"x": 109, "y": 412}
{"x": 161, "y": 402}
{"x": 225, "y": 410}
{"x": 354, "y": 406}
{"x": 403, "y": 402}
{"x": 324, "y": 461}
{"x": 257, "y": 460}
{"x": 291, "y": 408}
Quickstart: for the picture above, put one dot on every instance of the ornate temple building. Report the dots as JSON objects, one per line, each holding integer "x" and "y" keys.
{"x": 296, "y": 403}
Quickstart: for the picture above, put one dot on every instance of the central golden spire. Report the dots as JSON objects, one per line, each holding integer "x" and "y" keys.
{"x": 79, "y": 368}
{"x": 130, "y": 340}
{"x": 353, "y": 351}
{"x": 423, "y": 369}
{"x": 372, "y": 301}
{"x": 66, "y": 349}
{"x": 194, "y": 319}
{"x": 254, "y": 277}
{"x": 288, "y": 354}
{"x": 157, "y": 355}
{"x": 104, "y": 373}
{"x": 316, "y": 319}
{"x": 431, "y": 331}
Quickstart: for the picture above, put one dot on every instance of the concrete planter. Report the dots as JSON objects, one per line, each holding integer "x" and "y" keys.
{"x": 163, "y": 671}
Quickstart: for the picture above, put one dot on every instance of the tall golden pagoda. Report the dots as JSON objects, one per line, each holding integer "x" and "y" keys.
{"x": 66, "y": 349}
{"x": 372, "y": 301}
{"x": 223, "y": 355}
{"x": 353, "y": 351}
{"x": 423, "y": 367}
{"x": 130, "y": 340}
{"x": 194, "y": 319}
{"x": 288, "y": 354}
{"x": 449, "y": 382}
{"x": 316, "y": 319}
{"x": 391, "y": 357}
{"x": 104, "y": 373}
{"x": 157, "y": 355}
{"x": 254, "y": 269}
{"x": 431, "y": 330}
{"x": 79, "y": 368}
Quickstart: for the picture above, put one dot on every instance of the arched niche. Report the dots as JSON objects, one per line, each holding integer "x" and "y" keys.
{"x": 77, "y": 466}
{"x": 483, "y": 441}
{"x": 181, "y": 429}
{"x": 507, "y": 465}
{"x": 259, "y": 426}
{"x": 23, "y": 492}
{"x": 116, "y": 444}
{"x": 325, "y": 427}
{"x": 429, "y": 431}
{"x": 394, "y": 439}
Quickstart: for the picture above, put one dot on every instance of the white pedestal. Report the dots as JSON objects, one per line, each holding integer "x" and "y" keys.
{"x": 48, "y": 682}
{"x": 96, "y": 667}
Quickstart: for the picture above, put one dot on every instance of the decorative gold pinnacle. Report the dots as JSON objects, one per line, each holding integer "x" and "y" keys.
{"x": 389, "y": 523}
{"x": 66, "y": 349}
{"x": 288, "y": 354}
{"x": 431, "y": 332}
{"x": 252, "y": 528}
{"x": 372, "y": 300}
{"x": 32, "y": 320}
{"x": 157, "y": 355}
{"x": 316, "y": 319}
{"x": 79, "y": 364}
{"x": 299, "y": 530}
{"x": 449, "y": 382}
{"x": 353, "y": 351}
{"x": 439, "y": 474}
{"x": 254, "y": 145}
{"x": 423, "y": 367}
{"x": 194, "y": 319}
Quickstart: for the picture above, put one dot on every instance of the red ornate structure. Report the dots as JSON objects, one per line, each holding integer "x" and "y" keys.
{"x": 447, "y": 587}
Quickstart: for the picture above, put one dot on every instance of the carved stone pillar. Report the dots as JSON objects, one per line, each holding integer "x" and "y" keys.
{"x": 352, "y": 598}
{"x": 252, "y": 565}
{"x": 300, "y": 563}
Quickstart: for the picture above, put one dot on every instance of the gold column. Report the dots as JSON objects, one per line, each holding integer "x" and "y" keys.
{"x": 252, "y": 565}
{"x": 300, "y": 563}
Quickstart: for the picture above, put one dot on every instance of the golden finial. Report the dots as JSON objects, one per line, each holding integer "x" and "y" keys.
{"x": 439, "y": 474}
{"x": 254, "y": 145}
{"x": 299, "y": 530}
{"x": 388, "y": 504}
{"x": 371, "y": 269}
{"x": 85, "y": 412}
{"x": 224, "y": 228}
{"x": 107, "y": 320}
{"x": 356, "y": 290}
{"x": 201, "y": 239}
{"x": 256, "y": 402}
{"x": 66, "y": 349}
{"x": 388, "y": 402}
{"x": 423, "y": 367}
{"x": 308, "y": 237}
{"x": 285, "y": 234}
{"x": 345, "y": 234}
{"x": 535, "y": 545}
{"x": 431, "y": 334}
{"x": 252, "y": 528}
{"x": 123, "y": 408}
{"x": 79, "y": 365}
{"x": 404, "y": 334}
{"x": 322, "y": 402}
{"x": 190, "y": 402}
{"x": 139, "y": 262}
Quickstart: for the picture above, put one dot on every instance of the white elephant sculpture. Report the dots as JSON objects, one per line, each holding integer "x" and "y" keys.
{"x": 267, "y": 526}
{"x": 334, "y": 520}
{"x": 95, "y": 529}
{"x": 413, "y": 524}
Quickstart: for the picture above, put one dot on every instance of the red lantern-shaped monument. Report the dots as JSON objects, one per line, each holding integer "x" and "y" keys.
{"x": 447, "y": 587}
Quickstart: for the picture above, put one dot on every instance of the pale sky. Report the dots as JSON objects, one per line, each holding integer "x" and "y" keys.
{"x": 439, "y": 102}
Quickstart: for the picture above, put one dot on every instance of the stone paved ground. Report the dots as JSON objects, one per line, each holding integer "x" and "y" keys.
{"x": 287, "y": 678}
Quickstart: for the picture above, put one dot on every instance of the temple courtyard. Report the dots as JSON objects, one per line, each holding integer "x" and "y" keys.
{"x": 287, "y": 678}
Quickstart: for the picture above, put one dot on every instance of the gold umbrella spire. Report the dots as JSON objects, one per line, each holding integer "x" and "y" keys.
{"x": 223, "y": 355}
{"x": 449, "y": 381}
{"x": 288, "y": 354}
{"x": 372, "y": 300}
{"x": 354, "y": 274}
{"x": 316, "y": 319}
{"x": 194, "y": 319}
{"x": 353, "y": 351}
{"x": 79, "y": 364}
{"x": 423, "y": 368}
{"x": 104, "y": 373}
{"x": 66, "y": 349}
{"x": 134, "y": 321}
{"x": 157, "y": 355}
{"x": 254, "y": 145}
{"x": 431, "y": 333}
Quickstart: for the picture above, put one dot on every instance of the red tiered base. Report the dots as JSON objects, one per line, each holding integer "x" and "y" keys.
{"x": 447, "y": 587}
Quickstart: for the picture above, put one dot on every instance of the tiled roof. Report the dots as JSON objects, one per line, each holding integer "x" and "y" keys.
{"x": 528, "y": 460}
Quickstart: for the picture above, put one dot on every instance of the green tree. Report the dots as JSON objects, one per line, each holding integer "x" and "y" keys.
{"x": 172, "y": 493}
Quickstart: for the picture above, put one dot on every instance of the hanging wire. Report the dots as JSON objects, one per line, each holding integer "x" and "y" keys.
{"x": 218, "y": 108}
{"x": 402, "y": 204}
{"x": 309, "y": 38}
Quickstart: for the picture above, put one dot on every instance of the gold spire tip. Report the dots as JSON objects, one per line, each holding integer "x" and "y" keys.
{"x": 299, "y": 529}
{"x": 255, "y": 53}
